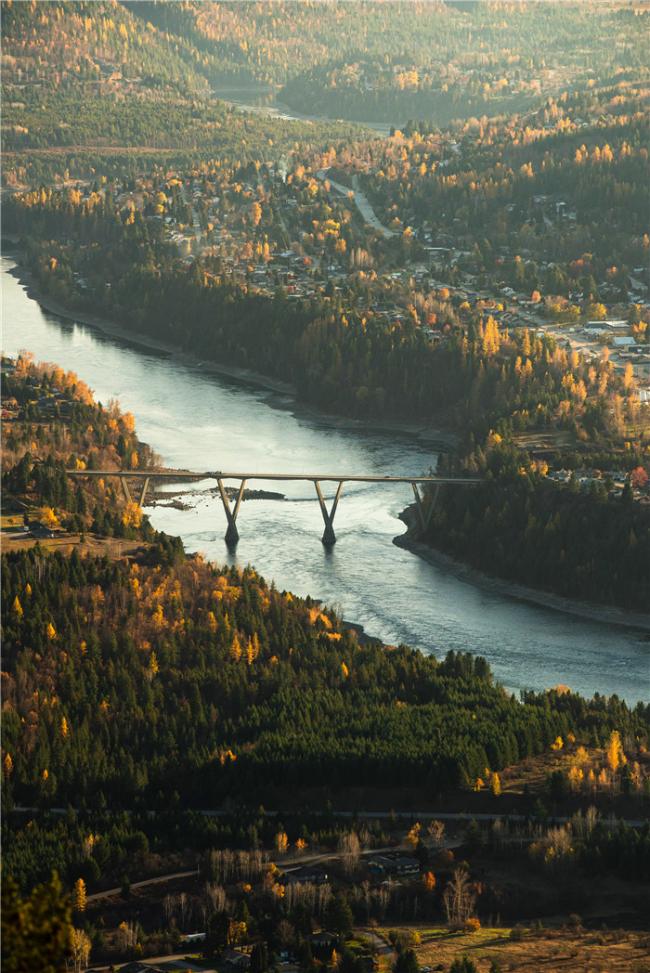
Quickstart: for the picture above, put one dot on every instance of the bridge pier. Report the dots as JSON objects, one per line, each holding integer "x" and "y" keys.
{"x": 232, "y": 534}
{"x": 143, "y": 492}
{"x": 425, "y": 513}
{"x": 425, "y": 505}
{"x": 329, "y": 537}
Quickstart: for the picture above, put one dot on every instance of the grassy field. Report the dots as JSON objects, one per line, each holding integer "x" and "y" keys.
{"x": 112, "y": 547}
{"x": 11, "y": 522}
{"x": 563, "y": 950}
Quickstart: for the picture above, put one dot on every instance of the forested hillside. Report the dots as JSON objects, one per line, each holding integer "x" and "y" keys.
{"x": 53, "y": 425}
{"x": 228, "y": 769}
{"x": 482, "y": 374}
{"x": 521, "y": 526}
{"x": 131, "y": 680}
{"x": 564, "y": 186}
{"x": 63, "y": 45}
{"x": 90, "y": 86}
{"x": 549, "y": 203}
{"x": 394, "y": 61}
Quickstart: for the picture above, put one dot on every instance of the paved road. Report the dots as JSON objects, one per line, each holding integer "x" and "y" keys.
{"x": 176, "y": 961}
{"x": 159, "y": 880}
{"x": 459, "y": 816}
{"x": 289, "y": 861}
{"x": 410, "y": 816}
{"x": 295, "y": 860}
{"x": 380, "y": 944}
{"x": 361, "y": 202}
{"x": 382, "y": 947}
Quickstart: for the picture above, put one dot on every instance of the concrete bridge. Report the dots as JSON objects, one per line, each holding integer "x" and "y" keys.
{"x": 145, "y": 477}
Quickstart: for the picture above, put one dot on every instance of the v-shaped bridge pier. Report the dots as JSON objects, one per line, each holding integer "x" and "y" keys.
{"x": 425, "y": 505}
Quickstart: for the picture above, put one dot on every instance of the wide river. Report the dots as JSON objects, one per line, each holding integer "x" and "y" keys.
{"x": 203, "y": 421}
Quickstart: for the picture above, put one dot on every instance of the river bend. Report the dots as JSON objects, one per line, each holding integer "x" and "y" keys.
{"x": 200, "y": 420}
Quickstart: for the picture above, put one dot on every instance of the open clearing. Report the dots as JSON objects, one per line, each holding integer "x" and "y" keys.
{"x": 548, "y": 950}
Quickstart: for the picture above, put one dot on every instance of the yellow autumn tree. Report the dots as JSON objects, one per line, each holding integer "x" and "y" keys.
{"x": 281, "y": 842}
{"x": 237, "y": 932}
{"x": 49, "y": 518}
{"x": 79, "y": 896}
{"x": 235, "y": 648}
{"x": 132, "y": 516}
{"x": 628, "y": 376}
{"x": 256, "y": 213}
{"x": 80, "y": 946}
{"x": 614, "y": 751}
{"x": 413, "y": 836}
{"x": 495, "y": 784}
{"x": 576, "y": 777}
{"x": 17, "y": 608}
{"x": 491, "y": 337}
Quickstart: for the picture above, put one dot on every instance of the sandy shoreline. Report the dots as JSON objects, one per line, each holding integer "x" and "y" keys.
{"x": 441, "y": 439}
{"x": 607, "y": 615}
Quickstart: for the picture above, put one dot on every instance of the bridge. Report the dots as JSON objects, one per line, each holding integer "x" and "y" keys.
{"x": 145, "y": 477}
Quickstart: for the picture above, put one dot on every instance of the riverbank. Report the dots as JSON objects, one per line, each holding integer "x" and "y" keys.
{"x": 606, "y": 615}
{"x": 186, "y": 416}
{"x": 441, "y": 439}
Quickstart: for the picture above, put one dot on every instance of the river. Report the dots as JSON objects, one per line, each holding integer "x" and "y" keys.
{"x": 198, "y": 420}
{"x": 263, "y": 101}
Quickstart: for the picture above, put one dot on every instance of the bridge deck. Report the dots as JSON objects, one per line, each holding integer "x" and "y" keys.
{"x": 309, "y": 477}
{"x": 425, "y": 507}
